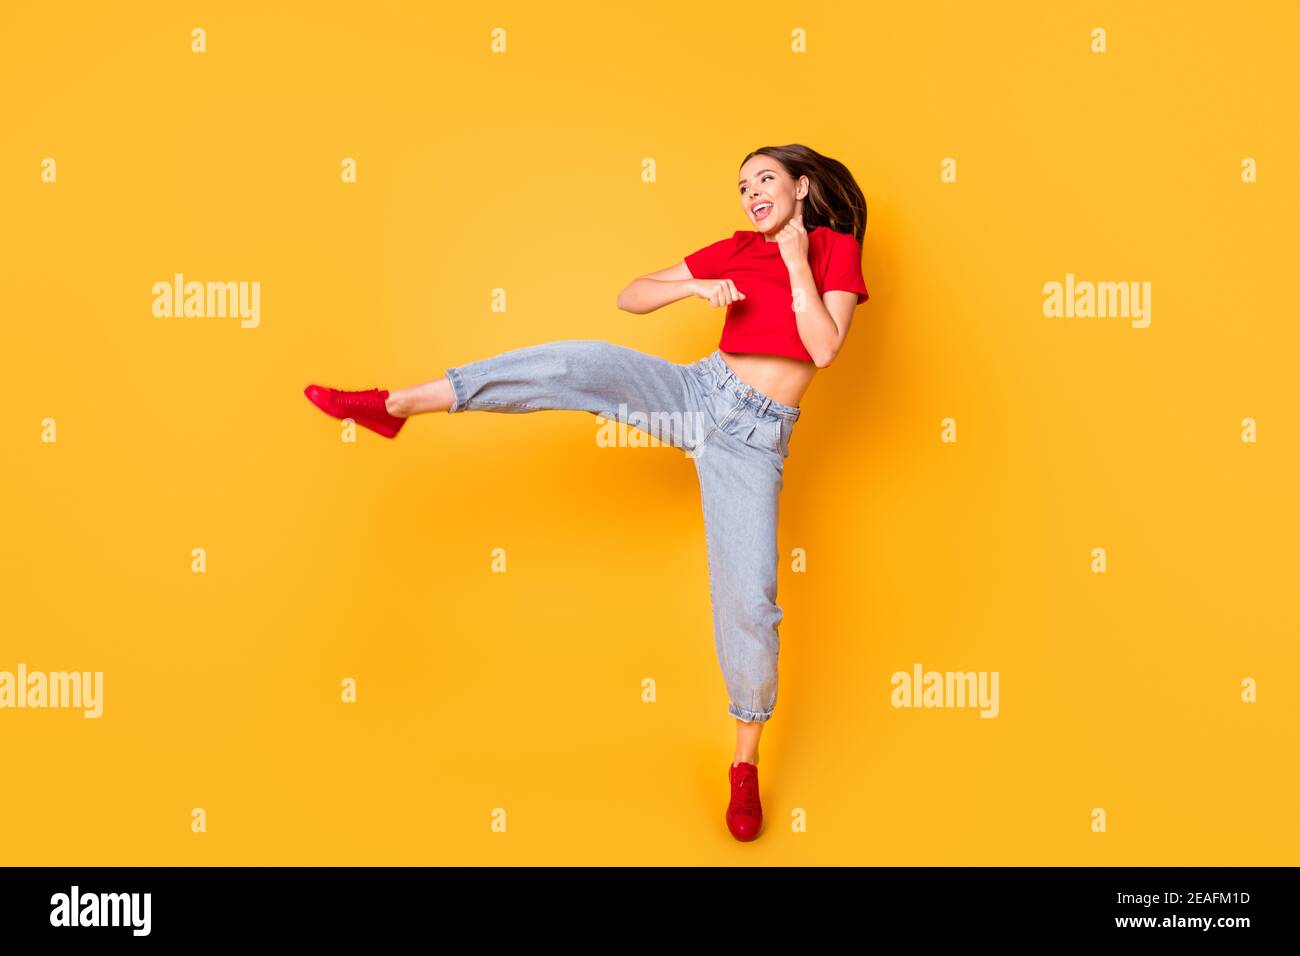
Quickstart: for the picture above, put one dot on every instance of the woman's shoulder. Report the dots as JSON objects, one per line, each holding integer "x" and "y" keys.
{"x": 831, "y": 237}
{"x": 831, "y": 242}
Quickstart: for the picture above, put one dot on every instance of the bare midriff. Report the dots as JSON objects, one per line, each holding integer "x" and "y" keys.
{"x": 780, "y": 378}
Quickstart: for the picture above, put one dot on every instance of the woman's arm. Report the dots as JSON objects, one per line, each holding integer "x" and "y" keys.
{"x": 822, "y": 321}
{"x": 825, "y": 320}
{"x": 657, "y": 289}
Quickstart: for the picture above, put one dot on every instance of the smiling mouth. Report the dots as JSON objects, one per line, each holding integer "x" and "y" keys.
{"x": 762, "y": 210}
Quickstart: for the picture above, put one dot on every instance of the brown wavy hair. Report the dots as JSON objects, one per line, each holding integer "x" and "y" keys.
{"x": 834, "y": 199}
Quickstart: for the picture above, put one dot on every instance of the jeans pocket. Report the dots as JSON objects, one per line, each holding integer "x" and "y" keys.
{"x": 703, "y": 373}
{"x": 785, "y": 427}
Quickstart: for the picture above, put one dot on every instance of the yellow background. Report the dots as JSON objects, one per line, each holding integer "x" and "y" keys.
{"x": 521, "y": 690}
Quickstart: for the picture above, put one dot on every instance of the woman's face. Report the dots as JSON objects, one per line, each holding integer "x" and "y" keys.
{"x": 769, "y": 195}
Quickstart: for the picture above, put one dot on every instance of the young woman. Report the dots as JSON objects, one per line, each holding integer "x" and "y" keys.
{"x": 790, "y": 286}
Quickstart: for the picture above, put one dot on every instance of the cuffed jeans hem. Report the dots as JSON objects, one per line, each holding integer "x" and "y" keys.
{"x": 749, "y": 716}
{"x": 458, "y": 391}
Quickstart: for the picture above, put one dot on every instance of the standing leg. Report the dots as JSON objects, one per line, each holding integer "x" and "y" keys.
{"x": 740, "y": 487}
{"x": 740, "y": 470}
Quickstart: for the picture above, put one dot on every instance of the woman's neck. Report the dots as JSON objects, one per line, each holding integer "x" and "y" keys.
{"x": 783, "y": 225}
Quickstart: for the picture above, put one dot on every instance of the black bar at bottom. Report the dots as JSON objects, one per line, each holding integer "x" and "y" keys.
{"x": 334, "y": 904}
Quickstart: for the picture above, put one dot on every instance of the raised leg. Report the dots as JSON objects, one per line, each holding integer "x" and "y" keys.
{"x": 435, "y": 396}
{"x": 619, "y": 383}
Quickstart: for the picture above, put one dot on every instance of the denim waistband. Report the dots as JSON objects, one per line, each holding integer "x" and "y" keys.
{"x": 761, "y": 403}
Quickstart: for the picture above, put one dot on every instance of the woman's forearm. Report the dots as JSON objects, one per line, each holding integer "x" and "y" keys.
{"x": 644, "y": 294}
{"x": 817, "y": 329}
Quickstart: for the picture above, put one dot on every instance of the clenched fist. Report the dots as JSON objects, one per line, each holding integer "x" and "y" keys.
{"x": 793, "y": 240}
{"x": 717, "y": 292}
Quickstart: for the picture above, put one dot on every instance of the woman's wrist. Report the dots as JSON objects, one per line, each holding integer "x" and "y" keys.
{"x": 800, "y": 270}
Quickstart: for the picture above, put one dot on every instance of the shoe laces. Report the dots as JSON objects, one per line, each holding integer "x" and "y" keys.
{"x": 744, "y": 795}
{"x": 356, "y": 399}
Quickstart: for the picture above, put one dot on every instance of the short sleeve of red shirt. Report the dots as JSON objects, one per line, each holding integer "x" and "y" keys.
{"x": 844, "y": 266}
{"x": 707, "y": 263}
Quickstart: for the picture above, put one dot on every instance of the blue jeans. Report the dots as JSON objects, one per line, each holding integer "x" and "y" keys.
{"x": 739, "y": 440}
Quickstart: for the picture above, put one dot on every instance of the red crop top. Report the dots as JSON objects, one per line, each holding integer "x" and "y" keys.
{"x": 764, "y": 321}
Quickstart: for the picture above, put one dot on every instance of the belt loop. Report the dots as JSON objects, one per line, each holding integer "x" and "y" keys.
{"x": 762, "y": 409}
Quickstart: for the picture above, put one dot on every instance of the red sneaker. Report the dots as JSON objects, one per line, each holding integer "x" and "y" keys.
{"x": 363, "y": 407}
{"x": 745, "y": 812}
